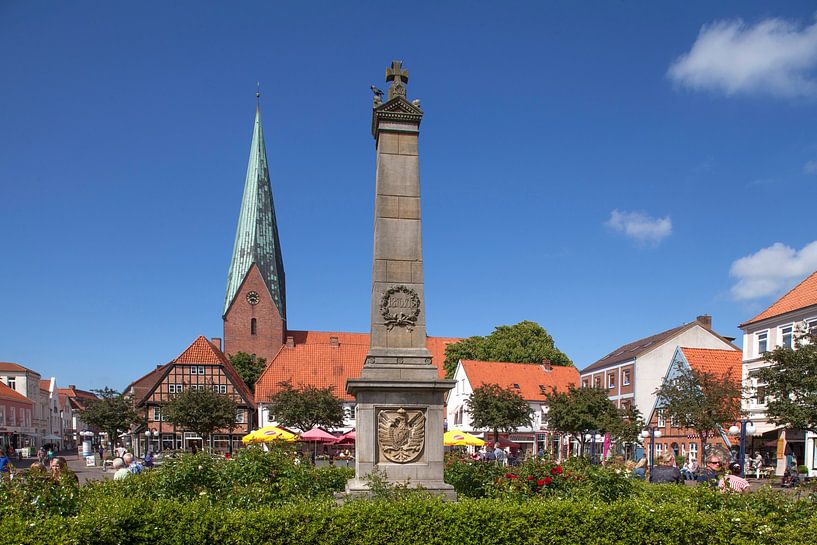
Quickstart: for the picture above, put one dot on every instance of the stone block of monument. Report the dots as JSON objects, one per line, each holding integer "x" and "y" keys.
{"x": 399, "y": 394}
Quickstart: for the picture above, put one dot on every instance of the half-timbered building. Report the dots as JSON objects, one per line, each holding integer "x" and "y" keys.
{"x": 201, "y": 366}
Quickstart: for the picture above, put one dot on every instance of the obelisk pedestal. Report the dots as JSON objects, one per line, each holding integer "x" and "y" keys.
{"x": 400, "y": 397}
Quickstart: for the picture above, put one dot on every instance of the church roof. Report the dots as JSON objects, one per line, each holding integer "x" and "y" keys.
{"x": 256, "y": 237}
{"x": 802, "y": 295}
{"x": 531, "y": 381}
{"x": 323, "y": 359}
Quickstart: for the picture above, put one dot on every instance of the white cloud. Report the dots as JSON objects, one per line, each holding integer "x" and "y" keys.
{"x": 774, "y": 57}
{"x": 640, "y": 227}
{"x": 771, "y": 270}
{"x": 810, "y": 167}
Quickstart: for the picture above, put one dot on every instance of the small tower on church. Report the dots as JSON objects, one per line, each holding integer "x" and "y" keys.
{"x": 255, "y": 304}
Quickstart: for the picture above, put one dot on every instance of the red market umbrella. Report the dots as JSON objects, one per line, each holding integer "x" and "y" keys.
{"x": 318, "y": 435}
{"x": 346, "y": 438}
{"x": 503, "y": 442}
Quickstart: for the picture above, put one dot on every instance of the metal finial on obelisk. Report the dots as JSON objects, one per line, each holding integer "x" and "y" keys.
{"x": 398, "y": 77}
{"x": 257, "y": 94}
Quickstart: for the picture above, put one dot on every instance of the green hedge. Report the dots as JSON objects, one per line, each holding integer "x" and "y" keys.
{"x": 419, "y": 520}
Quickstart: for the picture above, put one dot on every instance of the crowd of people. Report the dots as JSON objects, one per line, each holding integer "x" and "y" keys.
{"x": 48, "y": 465}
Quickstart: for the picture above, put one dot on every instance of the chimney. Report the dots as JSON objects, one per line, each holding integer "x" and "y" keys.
{"x": 546, "y": 366}
{"x": 333, "y": 342}
{"x": 290, "y": 341}
{"x": 705, "y": 320}
{"x": 72, "y": 386}
{"x": 216, "y": 341}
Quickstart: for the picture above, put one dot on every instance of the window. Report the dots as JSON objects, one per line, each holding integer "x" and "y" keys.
{"x": 222, "y": 388}
{"x": 659, "y": 449}
{"x": 197, "y": 370}
{"x": 11, "y": 382}
{"x": 253, "y": 327}
{"x": 661, "y": 420}
{"x": 693, "y": 451}
{"x": 597, "y": 382}
{"x": 760, "y": 395}
{"x": 673, "y": 422}
{"x": 157, "y": 413}
{"x": 787, "y": 339}
{"x": 175, "y": 388}
{"x": 762, "y": 342}
{"x": 239, "y": 416}
{"x": 585, "y": 383}
{"x": 12, "y": 416}
{"x": 2, "y": 415}
{"x": 625, "y": 377}
{"x": 611, "y": 380}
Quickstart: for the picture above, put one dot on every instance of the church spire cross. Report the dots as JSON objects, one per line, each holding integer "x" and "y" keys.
{"x": 398, "y": 78}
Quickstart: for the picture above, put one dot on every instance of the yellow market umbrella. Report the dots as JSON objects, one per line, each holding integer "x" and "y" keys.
{"x": 457, "y": 438}
{"x": 270, "y": 433}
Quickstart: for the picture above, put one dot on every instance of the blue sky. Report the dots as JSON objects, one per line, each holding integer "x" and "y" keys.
{"x": 607, "y": 169}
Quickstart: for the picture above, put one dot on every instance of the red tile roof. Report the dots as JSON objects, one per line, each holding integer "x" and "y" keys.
{"x": 45, "y": 384}
{"x": 8, "y": 366}
{"x": 12, "y": 395}
{"x": 78, "y": 398}
{"x": 201, "y": 351}
{"x": 802, "y": 295}
{"x": 315, "y": 361}
{"x": 529, "y": 376}
{"x": 718, "y": 362}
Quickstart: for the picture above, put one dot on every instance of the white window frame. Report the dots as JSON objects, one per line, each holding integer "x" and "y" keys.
{"x": 693, "y": 451}
{"x": 611, "y": 381}
{"x": 11, "y": 382}
{"x": 240, "y": 417}
{"x": 787, "y": 330}
{"x": 12, "y": 416}
{"x": 661, "y": 421}
{"x": 762, "y": 338}
{"x": 157, "y": 414}
{"x": 2, "y": 415}
{"x": 222, "y": 388}
{"x": 625, "y": 377}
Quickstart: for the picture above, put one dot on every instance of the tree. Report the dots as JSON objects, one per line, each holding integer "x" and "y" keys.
{"x": 579, "y": 411}
{"x": 625, "y": 426}
{"x": 111, "y": 413}
{"x": 496, "y": 408}
{"x": 306, "y": 407}
{"x": 201, "y": 411}
{"x": 700, "y": 400}
{"x": 248, "y": 367}
{"x": 791, "y": 384}
{"x": 525, "y": 342}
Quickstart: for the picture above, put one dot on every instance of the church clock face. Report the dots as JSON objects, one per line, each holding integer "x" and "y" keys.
{"x": 253, "y": 298}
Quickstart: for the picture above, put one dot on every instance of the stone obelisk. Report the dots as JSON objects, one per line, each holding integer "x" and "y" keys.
{"x": 399, "y": 422}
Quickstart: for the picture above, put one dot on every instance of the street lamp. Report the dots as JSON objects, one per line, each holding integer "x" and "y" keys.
{"x": 653, "y": 433}
{"x": 742, "y": 427}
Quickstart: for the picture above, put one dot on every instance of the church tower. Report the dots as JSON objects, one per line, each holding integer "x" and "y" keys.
{"x": 255, "y": 304}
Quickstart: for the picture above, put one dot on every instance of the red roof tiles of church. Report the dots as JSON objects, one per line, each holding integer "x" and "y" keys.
{"x": 528, "y": 376}
{"x": 11, "y": 394}
{"x": 718, "y": 362}
{"x": 802, "y": 295}
{"x": 314, "y": 361}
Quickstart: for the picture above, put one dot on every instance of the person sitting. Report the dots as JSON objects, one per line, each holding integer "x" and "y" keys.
{"x": 131, "y": 463}
{"x": 120, "y": 471}
{"x": 640, "y": 469}
{"x": 666, "y": 471}
{"x": 733, "y": 481}
{"x": 148, "y": 460}
{"x": 711, "y": 473}
{"x": 60, "y": 472}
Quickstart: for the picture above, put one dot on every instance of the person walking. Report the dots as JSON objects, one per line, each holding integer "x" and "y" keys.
{"x": 499, "y": 454}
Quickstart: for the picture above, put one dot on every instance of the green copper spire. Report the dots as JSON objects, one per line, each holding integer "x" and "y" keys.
{"x": 256, "y": 238}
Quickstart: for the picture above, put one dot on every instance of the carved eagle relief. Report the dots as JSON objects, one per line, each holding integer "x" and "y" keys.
{"x": 401, "y": 434}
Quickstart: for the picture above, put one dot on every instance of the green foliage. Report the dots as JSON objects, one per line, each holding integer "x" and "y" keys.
{"x": 306, "y": 407}
{"x": 471, "y": 478}
{"x": 701, "y": 400}
{"x": 496, "y": 408}
{"x": 111, "y": 413}
{"x": 248, "y": 367}
{"x": 657, "y": 514}
{"x": 791, "y": 384}
{"x": 581, "y": 410}
{"x": 36, "y": 495}
{"x": 201, "y": 411}
{"x": 525, "y": 342}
